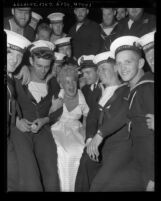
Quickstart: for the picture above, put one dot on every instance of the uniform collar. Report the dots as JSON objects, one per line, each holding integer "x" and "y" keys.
{"x": 146, "y": 78}
{"x": 110, "y": 94}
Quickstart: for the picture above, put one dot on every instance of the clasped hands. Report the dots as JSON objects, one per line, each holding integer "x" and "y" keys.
{"x": 26, "y": 126}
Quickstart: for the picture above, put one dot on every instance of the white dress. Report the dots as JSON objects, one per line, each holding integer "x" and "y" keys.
{"x": 70, "y": 143}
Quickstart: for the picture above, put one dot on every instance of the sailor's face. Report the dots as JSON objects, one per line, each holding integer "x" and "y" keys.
{"x": 43, "y": 35}
{"x": 81, "y": 14}
{"x": 22, "y": 16}
{"x": 106, "y": 73}
{"x": 40, "y": 67}
{"x": 127, "y": 63}
{"x": 14, "y": 59}
{"x": 121, "y": 13}
{"x": 108, "y": 16}
{"x": 57, "y": 28}
{"x": 90, "y": 75}
{"x": 134, "y": 13}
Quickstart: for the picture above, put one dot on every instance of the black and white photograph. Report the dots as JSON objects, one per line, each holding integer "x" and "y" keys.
{"x": 79, "y": 80}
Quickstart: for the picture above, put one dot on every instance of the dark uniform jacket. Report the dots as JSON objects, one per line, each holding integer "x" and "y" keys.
{"x": 144, "y": 25}
{"x": 13, "y": 109}
{"x": 92, "y": 98}
{"x": 86, "y": 40}
{"x": 28, "y": 30}
{"x": 141, "y": 102}
{"x": 115, "y": 148}
{"x": 113, "y": 119}
{"x": 32, "y": 110}
{"x": 108, "y": 39}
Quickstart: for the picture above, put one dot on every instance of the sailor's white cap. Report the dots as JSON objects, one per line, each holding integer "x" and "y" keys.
{"x": 42, "y": 44}
{"x": 36, "y": 16}
{"x": 56, "y": 17}
{"x": 16, "y": 41}
{"x": 62, "y": 41}
{"x": 86, "y": 61}
{"x": 103, "y": 57}
{"x": 125, "y": 43}
{"x": 147, "y": 39}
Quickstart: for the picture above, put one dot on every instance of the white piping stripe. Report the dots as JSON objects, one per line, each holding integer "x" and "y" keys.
{"x": 142, "y": 82}
{"x": 132, "y": 99}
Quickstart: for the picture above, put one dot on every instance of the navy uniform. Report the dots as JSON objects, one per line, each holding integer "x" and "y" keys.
{"x": 115, "y": 150}
{"x": 18, "y": 43}
{"x": 56, "y": 18}
{"x": 108, "y": 39}
{"x": 92, "y": 94}
{"x": 27, "y": 31}
{"x": 142, "y": 26}
{"x": 36, "y": 153}
{"x": 12, "y": 166}
{"x": 86, "y": 40}
{"x": 141, "y": 102}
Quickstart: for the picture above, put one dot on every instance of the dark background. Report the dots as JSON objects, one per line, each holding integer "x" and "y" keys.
{"x": 69, "y": 19}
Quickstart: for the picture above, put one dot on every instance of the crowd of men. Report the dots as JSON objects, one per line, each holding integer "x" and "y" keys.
{"x": 114, "y": 61}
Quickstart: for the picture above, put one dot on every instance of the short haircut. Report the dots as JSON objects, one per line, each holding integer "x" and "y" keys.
{"x": 45, "y": 27}
{"x": 68, "y": 70}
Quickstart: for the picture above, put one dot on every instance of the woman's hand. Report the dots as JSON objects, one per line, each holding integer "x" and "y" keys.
{"x": 24, "y": 74}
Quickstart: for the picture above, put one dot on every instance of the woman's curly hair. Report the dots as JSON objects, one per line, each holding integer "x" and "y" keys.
{"x": 68, "y": 70}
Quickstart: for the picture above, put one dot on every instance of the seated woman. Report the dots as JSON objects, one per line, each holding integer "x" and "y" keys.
{"x": 68, "y": 132}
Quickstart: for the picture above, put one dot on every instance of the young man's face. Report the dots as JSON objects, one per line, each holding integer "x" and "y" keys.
{"x": 90, "y": 75}
{"x": 127, "y": 64}
{"x": 43, "y": 35}
{"x": 70, "y": 86}
{"x": 21, "y": 16}
{"x": 81, "y": 14}
{"x": 57, "y": 28}
{"x": 14, "y": 59}
{"x": 108, "y": 16}
{"x": 149, "y": 54}
{"x": 40, "y": 67}
{"x": 121, "y": 13}
{"x": 106, "y": 73}
{"x": 135, "y": 13}
{"x": 66, "y": 50}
